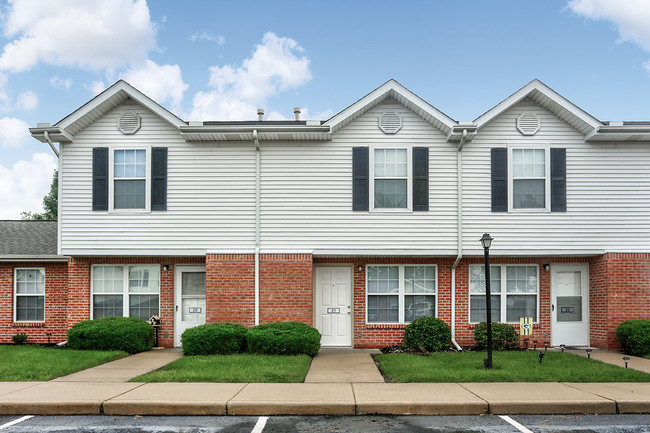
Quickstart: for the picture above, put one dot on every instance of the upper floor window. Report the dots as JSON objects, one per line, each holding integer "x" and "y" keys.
{"x": 529, "y": 178}
{"x": 29, "y": 289}
{"x": 390, "y": 178}
{"x": 400, "y": 293}
{"x": 130, "y": 178}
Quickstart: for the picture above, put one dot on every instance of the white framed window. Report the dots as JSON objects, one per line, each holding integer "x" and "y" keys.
{"x": 514, "y": 290}
{"x": 400, "y": 293}
{"x": 391, "y": 185}
{"x": 125, "y": 290}
{"x": 130, "y": 182}
{"x": 529, "y": 179}
{"x": 29, "y": 294}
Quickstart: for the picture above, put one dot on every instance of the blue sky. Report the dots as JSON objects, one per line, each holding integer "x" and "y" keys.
{"x": 214, "y": 60}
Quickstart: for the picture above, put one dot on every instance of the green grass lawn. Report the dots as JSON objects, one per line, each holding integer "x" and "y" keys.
{"x": 508, "y": 367}
{"x": 36, "y": 363}
{"x": 232, "y": 368}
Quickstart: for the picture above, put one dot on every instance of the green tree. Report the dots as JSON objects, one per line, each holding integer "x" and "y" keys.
{"x": 50, "y": 203}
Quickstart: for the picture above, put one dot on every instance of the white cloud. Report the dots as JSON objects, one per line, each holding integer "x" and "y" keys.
{"x": 23, "y": 186}
{"x": 115, "y": 33}
{"x": 206, "y": 36}
{"x": 13, "y": 132}
{"x": 61, "y": 83}
{"x": 27, "y": 101}
{"x": 96, "y": 87}
{"x": 162, "y": 83}
{"x": 276, "y": 65}
{"x": 631, "y": 17}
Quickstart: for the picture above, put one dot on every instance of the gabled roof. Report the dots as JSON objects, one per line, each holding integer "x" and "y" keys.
{"x": 549, "y": 99}
{"x": 393, "y": 89}
{"x": 25, "y": 240}
{"x": 78, "y": 120}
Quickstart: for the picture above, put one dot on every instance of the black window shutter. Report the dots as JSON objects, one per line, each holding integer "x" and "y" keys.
{"x": 100, "y": 178}
{"x": 360, "y": 180}
{"x": 558, "y": 180}
{"x": 159, "y": 178}
{"x": 499, "y": 179}
{"x": 420, "y": 178}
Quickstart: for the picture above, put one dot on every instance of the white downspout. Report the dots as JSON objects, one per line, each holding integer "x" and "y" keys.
{"x": 257, "y": 225}
{"x": 49, "y": 141}
{"x": 459, "y": 222}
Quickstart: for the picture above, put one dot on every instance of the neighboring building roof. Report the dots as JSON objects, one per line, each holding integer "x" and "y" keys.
{"x": 28, "y": 239}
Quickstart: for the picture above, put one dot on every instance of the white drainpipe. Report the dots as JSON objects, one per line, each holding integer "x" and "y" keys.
{"x": 257, "y": 225}
{"x": 459, "y": 185}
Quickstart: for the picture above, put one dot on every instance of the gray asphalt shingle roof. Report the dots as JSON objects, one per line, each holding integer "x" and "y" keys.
{"x": 36, "y": 238}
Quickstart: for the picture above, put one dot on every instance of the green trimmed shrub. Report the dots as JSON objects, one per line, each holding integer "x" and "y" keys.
{"x": 504, "y": 336}
{"x": 19, "y": 338}
{"x": 283, "y": 338}
{"x": 430, "y": 333}
{"x": 128, "y": 334}
{"x": 634, "y": 336}
{"x": 214, "y": 339}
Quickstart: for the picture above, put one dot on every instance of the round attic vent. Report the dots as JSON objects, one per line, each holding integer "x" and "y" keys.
{"x": 390, "y": 122}
{"x": 528, "y": 123}
{"x": 129, "y": 123}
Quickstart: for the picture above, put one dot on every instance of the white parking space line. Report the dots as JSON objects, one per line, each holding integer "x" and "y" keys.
{"x": 16, "y": 421}
{"x": 515, "y": 424}
{"x": 261, "y": 422}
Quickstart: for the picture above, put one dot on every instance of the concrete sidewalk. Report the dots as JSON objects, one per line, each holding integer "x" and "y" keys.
{"x": 354, "y": 387}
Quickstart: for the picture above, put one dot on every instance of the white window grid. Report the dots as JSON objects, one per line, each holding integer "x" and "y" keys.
{"x": 113, "y": 178}
{"x": 546, "y": 178}
{"x": 409, "y": 178}
{"x": 401, "y": 294}
{"x": 503, "y": 293}
{"x": 125, "y": 291}
{"x": 17, "y": 295}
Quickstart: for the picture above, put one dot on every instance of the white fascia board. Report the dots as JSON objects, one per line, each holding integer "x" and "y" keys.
{"x": 384, "y": 253}
{"x": 380, "y": 94}
{"x": 56, "y": 134}
{"x": 522, "y": 93}
{"x": 129, "y": 90}
{"x": 132, "y": 253}
{"x": 32, "y": 258}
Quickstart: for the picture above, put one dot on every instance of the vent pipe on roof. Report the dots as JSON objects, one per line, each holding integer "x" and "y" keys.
{"x": 296, "y": 112}
{"x": 260, "y": 114}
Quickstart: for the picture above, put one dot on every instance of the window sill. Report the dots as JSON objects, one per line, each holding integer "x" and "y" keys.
{"x": 386, "y": 325}
{"x": 536, "y": 325}
{"x": 28, "y": 325}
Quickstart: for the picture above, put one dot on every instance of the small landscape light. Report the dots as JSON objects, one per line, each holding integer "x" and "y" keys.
{"x": 541, "y": 355}
{"x": 562, "y": 346}
{"x": 534, "y": 344}
{"x": 526, "y": 342}
{"x": 545, "y": 345}
{"x": 48, "y": 334}
{"x": 588, "y": 353}
{"x": 626, "y": 359}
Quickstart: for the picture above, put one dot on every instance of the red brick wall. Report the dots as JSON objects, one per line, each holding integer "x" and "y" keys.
{"x": 56, "y": 287}
{"x": 620, "y": 290}
{"x": 286, "y": 292}
{"x": 230, "y": 288}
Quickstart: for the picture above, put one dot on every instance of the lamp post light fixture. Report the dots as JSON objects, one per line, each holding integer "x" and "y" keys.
{"x": 486, "y": 242}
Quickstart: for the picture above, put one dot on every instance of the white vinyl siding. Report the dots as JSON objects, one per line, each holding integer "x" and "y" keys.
{"x": 29, "y": 294}
{"x": 608, "y": 193}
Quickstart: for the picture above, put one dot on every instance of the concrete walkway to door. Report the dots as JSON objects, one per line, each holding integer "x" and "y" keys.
{"x": 344, "y": 366}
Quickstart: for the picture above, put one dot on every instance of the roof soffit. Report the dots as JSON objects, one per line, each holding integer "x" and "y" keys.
{"x": 392, "y": 90}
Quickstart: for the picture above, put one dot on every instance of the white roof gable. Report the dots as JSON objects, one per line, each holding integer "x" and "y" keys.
{"x": 393, "y": 89}
{"x": 106, "y": 101}
{"x": 549, "y": 99}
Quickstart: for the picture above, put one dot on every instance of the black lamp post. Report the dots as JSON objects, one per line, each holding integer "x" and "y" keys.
{"x": 486, "y": 241}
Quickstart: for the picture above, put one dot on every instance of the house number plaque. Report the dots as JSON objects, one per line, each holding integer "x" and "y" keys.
{"x": 333, "y": 311}
{"x": 195, "y": 309}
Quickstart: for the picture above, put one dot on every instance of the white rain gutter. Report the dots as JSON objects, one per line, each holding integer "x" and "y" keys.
{"x": 258, "y": 152}
{"x": 459, "y": 222}
{"x": 47, "y": 138}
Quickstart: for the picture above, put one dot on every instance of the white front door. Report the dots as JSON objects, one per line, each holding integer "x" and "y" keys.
{"x": 189, "y": 299}
{"x": 570, "y": 304}
{"x": 333, "y": 305}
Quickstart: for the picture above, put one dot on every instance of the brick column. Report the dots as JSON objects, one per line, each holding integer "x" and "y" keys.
{"x": 78, "y": 290}
{"x": 286, "y": 293}
{"x": 230, "y": 288}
